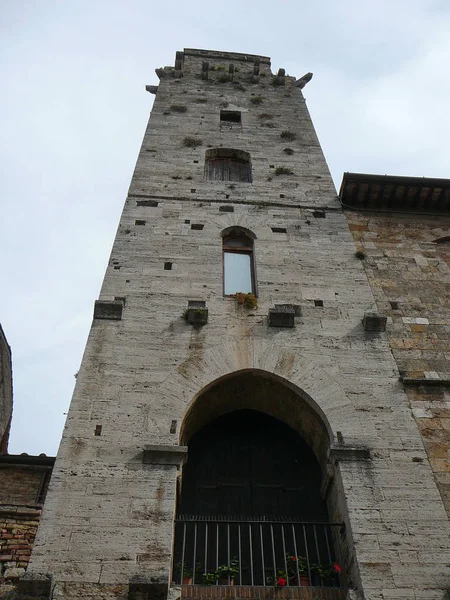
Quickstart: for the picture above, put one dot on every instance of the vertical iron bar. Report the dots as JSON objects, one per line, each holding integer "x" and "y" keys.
{"x": 195, "y": 552}
{"x": 251, "y": 552}
{"x": 228, "y": 551}
{"x": 262, "y": 553}
{"x": 182, "y": 552}
{"x": 217, "y": 549}
{"x": 206, "y": 547}
{"x": 240, "y": 554}
{"x": 296, "y": 553}
{"x": 273, "y": 553}
{"x": 284, "y": 553}
{"x": 330, "y": 560}
{"x": 307, "y": 552}
{"x": 317, "y": 550}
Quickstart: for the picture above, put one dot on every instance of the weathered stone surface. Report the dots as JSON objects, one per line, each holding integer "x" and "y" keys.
{"x": 109, "y": 516}
{"x": 5, "y": 391}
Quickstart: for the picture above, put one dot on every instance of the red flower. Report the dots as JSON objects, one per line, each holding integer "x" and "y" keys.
{"x": 293, "y": 558}
{"x": 336, "y": 568}
{"x": 281, "y": 581}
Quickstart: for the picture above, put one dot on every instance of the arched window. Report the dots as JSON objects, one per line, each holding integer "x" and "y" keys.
{"x": 225, "y": 164}
{"x": 238, "y": 262}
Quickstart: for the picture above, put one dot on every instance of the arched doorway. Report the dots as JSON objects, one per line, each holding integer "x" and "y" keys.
{"x": 247, "y": 464}
{"x": 250, "y": 507}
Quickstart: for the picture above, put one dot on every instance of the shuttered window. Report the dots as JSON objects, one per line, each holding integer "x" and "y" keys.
{"x": 222, "y": 164}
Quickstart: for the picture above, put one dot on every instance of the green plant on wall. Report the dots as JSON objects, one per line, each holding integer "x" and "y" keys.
{"x": 248, "y": 300}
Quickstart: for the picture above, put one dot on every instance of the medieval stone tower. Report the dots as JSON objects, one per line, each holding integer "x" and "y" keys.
{"x": 236, "y": 428}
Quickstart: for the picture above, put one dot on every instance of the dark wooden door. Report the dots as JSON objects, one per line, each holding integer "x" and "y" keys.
{"x": 248, "y": 464}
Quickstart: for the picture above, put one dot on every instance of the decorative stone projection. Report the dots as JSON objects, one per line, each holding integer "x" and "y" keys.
{"x": 150, "y": 380}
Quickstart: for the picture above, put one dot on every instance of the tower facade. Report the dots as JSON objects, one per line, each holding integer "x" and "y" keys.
{"x": 221, "y": 429}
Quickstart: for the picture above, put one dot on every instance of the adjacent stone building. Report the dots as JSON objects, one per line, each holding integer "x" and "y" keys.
{"x": 240, "y": 425}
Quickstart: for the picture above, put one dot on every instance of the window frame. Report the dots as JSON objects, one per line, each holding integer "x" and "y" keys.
{"x": 248, "y": 250}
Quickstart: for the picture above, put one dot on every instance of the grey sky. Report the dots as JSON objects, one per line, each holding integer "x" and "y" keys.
{"x": 74, "y": 110}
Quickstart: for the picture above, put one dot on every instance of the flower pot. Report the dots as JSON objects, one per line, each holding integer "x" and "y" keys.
{"x": 304, "y": 580}
{"x": 224, "y": 581}
{"x": 187, "y": 580}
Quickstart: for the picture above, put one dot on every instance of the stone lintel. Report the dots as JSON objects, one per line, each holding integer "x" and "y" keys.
{"x": 164, "y": 455}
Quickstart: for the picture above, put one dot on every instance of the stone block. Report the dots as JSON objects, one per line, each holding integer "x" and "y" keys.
{"x": 282, "y": 316}
{"x": 374, "y": 322}
{"x": 35, "y": 585}
{"x": 164, "y": 455}
{"x": 108, "y": 309}
{"x": 147, "y": 591}
{"x": 197, "y": 313}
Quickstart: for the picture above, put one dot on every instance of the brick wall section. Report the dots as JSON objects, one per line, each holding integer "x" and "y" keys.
{"x": 219, "y": 592}
{"x": 22, "y": 492}
{"x": 405, "y": 264}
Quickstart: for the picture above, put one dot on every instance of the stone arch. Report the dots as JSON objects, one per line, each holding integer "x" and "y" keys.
{"x": 307, "y": 376}
{"x": 264, "y": 392}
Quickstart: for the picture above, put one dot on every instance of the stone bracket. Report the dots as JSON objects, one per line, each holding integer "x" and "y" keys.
{"x": 108, "y": 309}
{"x": 147, "y": 591}
{"x": 423, "y": 381}
{"x": 346, "y": 454}
{"x": 151, "y": 88}
{"x": 34, "y": 586}
{"x": 164, "y": 455}
{"x": 283, "y": 315}
{"x": 374, "y": 322}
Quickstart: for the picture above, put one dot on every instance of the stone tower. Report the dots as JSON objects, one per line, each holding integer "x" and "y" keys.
{"x": 221, "y": 429}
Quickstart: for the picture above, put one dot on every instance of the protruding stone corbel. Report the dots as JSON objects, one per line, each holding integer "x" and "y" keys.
{"x": 374, "y": 322}
{"x": 151, "y": 88}
{"x": 35, "y": 585}
{"x": 197, "y": 313}
{"x": 108, "y": 309}
{"x": 160, "y": 72}
{"x": 300, "y": 83}
{"x": 164, "y": 455}
{"x": 139, "y": 589}
{"x": 347, "y": 454}
{"x": 283, "y": 315}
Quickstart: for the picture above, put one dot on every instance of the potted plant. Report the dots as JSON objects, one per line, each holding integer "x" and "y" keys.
{"x": 327, "y": 574}
{"x": 297, "y": 567}
{"x": 248, "y": 300}
{"x": 185, "y": 574}
{"x": 208, "y": 578}
{"x": 226, "y": 574}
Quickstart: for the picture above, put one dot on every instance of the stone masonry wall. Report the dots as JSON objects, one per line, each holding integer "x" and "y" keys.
{"x": 108, "y": 519}
{"x": 408, "y": 266}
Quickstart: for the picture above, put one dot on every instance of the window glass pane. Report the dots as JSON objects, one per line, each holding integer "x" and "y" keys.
{"x": 237, "y": 273}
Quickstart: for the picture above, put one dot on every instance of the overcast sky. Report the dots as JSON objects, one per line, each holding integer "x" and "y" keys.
{"x": 74, "y": 110}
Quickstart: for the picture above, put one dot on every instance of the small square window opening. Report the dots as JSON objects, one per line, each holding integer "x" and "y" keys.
{"x": 230, "y": 116}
